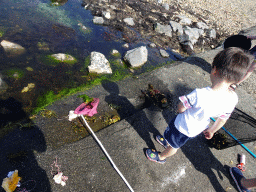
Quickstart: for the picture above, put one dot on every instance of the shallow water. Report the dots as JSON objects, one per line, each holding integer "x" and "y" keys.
{"x": 29, "y": 22}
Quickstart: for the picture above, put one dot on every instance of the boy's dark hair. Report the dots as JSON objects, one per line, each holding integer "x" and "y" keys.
{"x": 240, "y": 41}
{"x": 232, "y": 64}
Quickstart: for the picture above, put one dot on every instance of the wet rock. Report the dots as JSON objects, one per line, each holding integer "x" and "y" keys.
{"x": 137, "y": 57}
{"x": 129, "y": 21}
{"x": 3, "y": 85}
{"x": 63, "y": 57}
{"x": 98, "y": 20}
{"x": 176, "y": 27}
{"x": 163, "y": 29}
{"x": 99, "y": 64}
{"x": 126, "y": 45}
{"x": 152, "y": 45}
{"x": 163, "y": 53}
{"x": 12, "y": 49}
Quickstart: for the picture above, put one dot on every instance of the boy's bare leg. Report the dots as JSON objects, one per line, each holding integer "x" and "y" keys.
{"x": 248, "y": 183}
{"x": 169, "y": 151}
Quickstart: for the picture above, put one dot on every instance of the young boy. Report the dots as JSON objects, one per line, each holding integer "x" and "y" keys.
{"x": 244, "y": 43}
{"x": 195, "y": 109}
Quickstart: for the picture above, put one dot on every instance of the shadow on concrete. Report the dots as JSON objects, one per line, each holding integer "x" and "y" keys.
{"x": 200, "y": 63}
{"x": 18, "y": 146}
{"x": 140, "y": 123}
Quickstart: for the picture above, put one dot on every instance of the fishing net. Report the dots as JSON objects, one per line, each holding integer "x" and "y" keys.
{"x": 241, "y": 125}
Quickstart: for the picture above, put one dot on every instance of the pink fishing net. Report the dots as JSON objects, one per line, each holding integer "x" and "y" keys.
{"x": 88, "y": 109}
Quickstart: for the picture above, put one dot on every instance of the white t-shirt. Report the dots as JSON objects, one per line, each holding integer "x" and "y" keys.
{"x": 201, "y": 104}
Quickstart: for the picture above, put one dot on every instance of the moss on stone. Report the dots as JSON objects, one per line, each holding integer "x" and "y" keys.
{"x": 15, "y": 73}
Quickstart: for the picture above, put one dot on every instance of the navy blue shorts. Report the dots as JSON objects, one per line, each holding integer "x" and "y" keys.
{"x": 173, "y": 137}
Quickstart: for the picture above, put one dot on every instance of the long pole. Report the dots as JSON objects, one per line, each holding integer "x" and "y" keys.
{"x": 237, "y": 140}
{"x": 106, "y": 153}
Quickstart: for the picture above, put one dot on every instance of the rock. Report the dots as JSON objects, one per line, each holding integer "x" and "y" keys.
{"x": 137, "y": 57}
{"x": 63, "y": 57}
{"x": 201, "y": 25}
{"x": 164, "y": 53}
{"x": 29, "y": 87}
{"x": 115, "y": 53}
{"x": 165, "y": 29}
{"x": 106, "y": 14}
{"x": 192, "y": 34}
{"x": 129, "y": 21}
{"x": 211, "y": 33}
{"x": 126, "y": 45}
{"x": 176, "y": 27}
{"x": 183, "y": 20}
{"x": 99, "y": 64}
{"x": 152, "y": 45}
{"x": 166, "y": 6}
{"x": 3, "y": 85}
{"x": 12, "y": 49}
{"x": 98, "y": 20}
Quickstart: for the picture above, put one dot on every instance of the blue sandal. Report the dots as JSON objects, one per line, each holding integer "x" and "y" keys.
{"x": 152, "y": 155}
{"x": 160, "y": 139}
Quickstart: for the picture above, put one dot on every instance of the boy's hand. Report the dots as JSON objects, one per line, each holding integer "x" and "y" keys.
{"x": 208, "y": 135}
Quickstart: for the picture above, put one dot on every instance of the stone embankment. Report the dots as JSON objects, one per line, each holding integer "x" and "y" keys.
{"x": 162, "y": 24}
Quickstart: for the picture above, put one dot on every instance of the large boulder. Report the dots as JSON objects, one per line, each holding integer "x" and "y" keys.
{"x": 12, "y": 49}
{"x": 137, "y": 57}
{"x": 99, "y": 64}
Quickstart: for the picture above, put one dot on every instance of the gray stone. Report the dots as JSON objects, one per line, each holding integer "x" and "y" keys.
{"x": 106, "y": 14}
{"x": 166, "y": 6}
{"x": 183, "y": 20}
{"x": 126, "y": 45}
{"x": 137, "y": 57}
{"x": 201, "y": 25}
{"x": 192, "y": 34}
{"x": 63, "y": 57}
{"x": 12, "y": 49}
{"x": 152, "y": 45}
{"x": 176, "y": 27}
{"x": 129, "y": 21}
{"x": 211, "y": 33}
{"x": 99, "y": 64}
{"x": 165, "y": 29}
{"x": 164, "y": 53}
{"x": 98, "y": 20}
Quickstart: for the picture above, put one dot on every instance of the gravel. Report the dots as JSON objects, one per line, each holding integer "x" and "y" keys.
{"x": 228, "y": 16}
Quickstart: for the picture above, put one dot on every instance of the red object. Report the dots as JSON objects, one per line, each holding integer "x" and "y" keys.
{"x": 88, "y": 109}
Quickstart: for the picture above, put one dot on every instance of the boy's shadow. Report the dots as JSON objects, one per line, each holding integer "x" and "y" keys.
{"x": 18, "y": 146}
{"x": 197, "y": 150}
{"x": 140, "y": 122}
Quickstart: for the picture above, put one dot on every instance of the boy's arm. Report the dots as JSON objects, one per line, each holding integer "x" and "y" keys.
{"x": 208, "y": 133}
{"x": 181, "y": 108}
